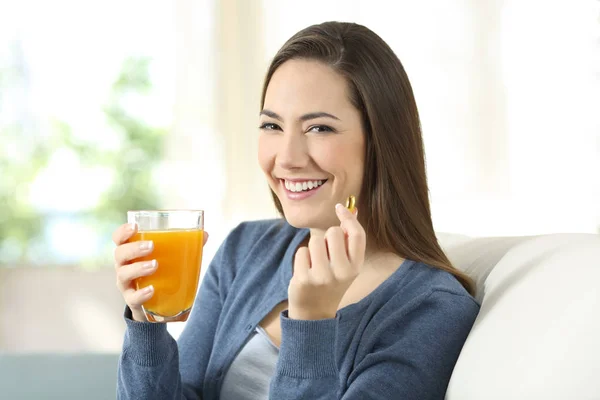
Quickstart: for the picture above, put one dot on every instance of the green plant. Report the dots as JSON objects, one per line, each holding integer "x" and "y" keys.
{"x": 133, "y": 162}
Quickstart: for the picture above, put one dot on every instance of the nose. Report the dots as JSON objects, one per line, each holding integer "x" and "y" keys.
{"x": 292, "y": 152}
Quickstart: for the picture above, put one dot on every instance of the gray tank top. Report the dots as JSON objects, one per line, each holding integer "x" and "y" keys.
{"x": 250, "y": 373}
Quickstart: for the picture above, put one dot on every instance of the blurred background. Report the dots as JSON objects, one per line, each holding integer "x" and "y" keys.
{"x": 117, "y": 105}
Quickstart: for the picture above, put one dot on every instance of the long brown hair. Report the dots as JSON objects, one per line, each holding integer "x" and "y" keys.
{"x": 394, "y": 199}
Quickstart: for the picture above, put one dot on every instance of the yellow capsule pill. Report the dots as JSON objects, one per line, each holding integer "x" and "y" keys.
{"x": 351, "y": 203}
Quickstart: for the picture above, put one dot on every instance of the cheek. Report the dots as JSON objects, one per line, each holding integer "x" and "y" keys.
{"x": 340, "y": 158}
{"x": 266, "y": 155}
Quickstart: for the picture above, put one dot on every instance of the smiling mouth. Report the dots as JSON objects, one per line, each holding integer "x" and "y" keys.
{"x": 302, "y": 186}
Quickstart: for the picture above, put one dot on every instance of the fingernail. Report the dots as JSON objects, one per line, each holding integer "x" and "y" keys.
{"x": 132, "y": 226}
{"x": 148, "y": 245}
{"x": 148, "y": 289}
{"x": 150, "y": 264}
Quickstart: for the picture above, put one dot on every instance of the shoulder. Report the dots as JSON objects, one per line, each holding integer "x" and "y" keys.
{"x": 420, "y": 279}
{"x": 436, "y": 295}
{"x": 422, "y": 308}
{"x": 249, "y": 234}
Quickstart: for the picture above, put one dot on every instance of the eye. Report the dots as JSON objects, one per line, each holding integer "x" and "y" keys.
{"x": 320, "y": 129}
{"x": 267, "y": 126}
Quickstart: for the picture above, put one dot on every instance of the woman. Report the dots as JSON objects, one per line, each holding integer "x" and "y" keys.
{"x": 323, "y": 304}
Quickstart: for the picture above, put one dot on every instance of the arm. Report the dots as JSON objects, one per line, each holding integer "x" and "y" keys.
{"x": 409, "y": 355}
{"x": 154, "y": 366}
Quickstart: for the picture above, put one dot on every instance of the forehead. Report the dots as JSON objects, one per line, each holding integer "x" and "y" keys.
{"x": 306, "y": 85}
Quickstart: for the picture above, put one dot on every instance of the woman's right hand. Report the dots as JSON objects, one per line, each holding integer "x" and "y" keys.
{"x": 127, "y": 270}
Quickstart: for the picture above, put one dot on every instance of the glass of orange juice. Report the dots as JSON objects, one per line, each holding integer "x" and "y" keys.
{"x": 177, "y": 237}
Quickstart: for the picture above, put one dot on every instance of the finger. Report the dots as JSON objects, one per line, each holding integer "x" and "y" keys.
{"x": 123, "y": 233}
{"x": 204, "y": 238}
{"x": 336, "y": 245}
{"x": 318, "y": 250}
{"x": 344, "y": 214}
{"x": 130, "y": 251}
{"x": 302, "y": 264}
{"x": 127, "y": 273}
{"x": 357, "y": 238}
{"x": 319, "y": 260}
{"x": 136, "y": 298}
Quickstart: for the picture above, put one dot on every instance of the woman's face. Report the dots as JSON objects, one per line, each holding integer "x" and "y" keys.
{"x": 311, "y": 145}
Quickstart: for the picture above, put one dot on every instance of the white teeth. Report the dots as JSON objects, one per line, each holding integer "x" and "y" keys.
{"x": 301, "y": 186}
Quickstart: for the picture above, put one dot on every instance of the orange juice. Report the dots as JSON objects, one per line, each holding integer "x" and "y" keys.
{"x": 175, "y": 281}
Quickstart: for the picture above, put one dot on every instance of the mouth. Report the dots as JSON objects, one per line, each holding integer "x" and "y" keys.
{"x": 302, "y": 185}
{"x": 301, "y": 189}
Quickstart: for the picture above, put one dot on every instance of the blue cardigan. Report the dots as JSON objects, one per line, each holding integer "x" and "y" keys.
{"x": 399, "y": 342}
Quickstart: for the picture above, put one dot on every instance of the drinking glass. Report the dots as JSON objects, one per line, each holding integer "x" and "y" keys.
{"x": 177, "y": 237}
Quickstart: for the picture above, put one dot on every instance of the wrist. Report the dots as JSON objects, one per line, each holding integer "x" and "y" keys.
{"x": 135, "y": 314}
{"x": 138, "y": 316}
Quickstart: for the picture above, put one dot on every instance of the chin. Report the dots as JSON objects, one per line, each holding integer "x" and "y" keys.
{"x": 301, "y": 220}
{"x": 311, "y": 213}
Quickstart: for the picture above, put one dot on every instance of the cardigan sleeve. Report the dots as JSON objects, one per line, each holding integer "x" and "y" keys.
{"x": 154, "y": 366}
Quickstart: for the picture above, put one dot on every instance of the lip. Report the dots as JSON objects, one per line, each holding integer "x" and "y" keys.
{"x": 299, "y": 195}
{"x": 302, "y": 179}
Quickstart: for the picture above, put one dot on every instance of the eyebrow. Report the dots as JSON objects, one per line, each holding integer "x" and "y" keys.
{"x": 305, "y": 117}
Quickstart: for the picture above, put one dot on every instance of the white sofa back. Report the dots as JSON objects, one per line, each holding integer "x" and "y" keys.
{"x": 538, "y": 332}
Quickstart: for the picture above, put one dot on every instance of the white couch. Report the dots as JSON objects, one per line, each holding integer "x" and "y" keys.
{"x": 538, "y": 332}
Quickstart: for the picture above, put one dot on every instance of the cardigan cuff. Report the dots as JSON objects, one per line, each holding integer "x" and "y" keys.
{"x": 147, "y": 343}
{"x": 307, "y": 348}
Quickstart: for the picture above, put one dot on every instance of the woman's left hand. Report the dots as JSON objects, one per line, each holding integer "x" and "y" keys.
{"x": 325, "y": 269}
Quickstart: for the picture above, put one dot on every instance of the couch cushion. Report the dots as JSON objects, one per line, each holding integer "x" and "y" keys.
{"x": 538, "y": 333}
